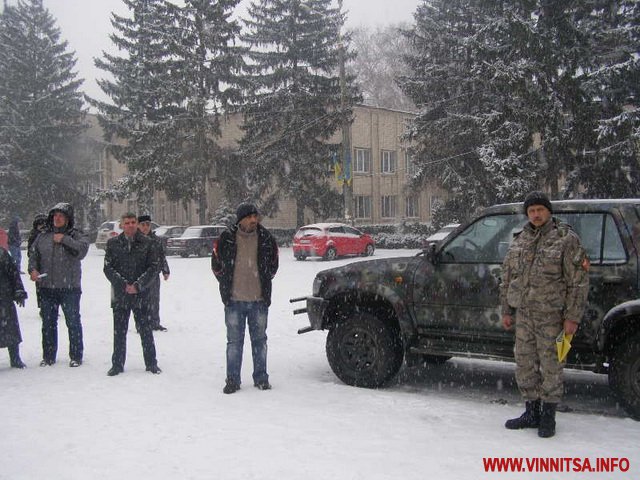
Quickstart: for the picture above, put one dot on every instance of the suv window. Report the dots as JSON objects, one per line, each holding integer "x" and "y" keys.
{"x": 352, "y": 231}
{"x": 336, "y": 230}
{"x": 484, "y": 241}
{"x": 599, "y": 236}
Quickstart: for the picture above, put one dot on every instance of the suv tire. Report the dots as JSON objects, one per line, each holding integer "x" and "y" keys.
{"x": 364, "y": 351}
{"x": 624, "y": 375}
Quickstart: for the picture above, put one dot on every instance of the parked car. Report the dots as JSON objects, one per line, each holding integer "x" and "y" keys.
{"x": 443, "y": 233}
{"x": 112, "y": 229}
{"x": 165, "y": 232}
{"x": 331, "y": 240}
{"x": 444, "y": 302}
{"x": 198, "y": 240}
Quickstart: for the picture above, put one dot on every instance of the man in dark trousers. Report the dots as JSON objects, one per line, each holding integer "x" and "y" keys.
{"x": 244, "y": 261}
{"x": 55, "y": 265}
{"x": 144, "y": 225}
{"x": 131, "y": 264}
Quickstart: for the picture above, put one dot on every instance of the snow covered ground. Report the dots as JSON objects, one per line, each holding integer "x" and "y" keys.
{"x": 437, "y": 422}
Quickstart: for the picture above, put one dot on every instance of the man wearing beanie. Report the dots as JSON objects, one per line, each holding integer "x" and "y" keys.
{"x": 544, "y": 289}
{"x": 244, "y": 261}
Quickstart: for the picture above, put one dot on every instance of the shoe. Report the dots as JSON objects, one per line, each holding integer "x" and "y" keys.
{"x": 155, "y": 369}
{"x": 265, "y": 385}
{"x": 18, "y": 364}
{"x": 547, "y": 426}
{"x": 160, "y": 328}
{"x": 529, "y": 419}
{"x": 231, "y": 387}
{"x": 47, "y": 363}
{"x": 113, "y": 371}
{"x": 75, "y": 363}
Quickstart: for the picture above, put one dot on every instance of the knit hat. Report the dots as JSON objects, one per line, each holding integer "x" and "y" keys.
{"x": 537, "y": 198}
{"x": 246, "y": 209}
{"x": 144, "y": 218}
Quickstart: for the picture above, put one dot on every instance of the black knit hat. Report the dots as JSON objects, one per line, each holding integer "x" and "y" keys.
{"x": 537, "y": 198}
{"x": 144, "y": 218}
{"x": 246, "y": 209}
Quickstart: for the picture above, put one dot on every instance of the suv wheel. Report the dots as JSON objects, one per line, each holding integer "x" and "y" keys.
{"x": 624, "y": 375}
{"x": 330, "y": 254}
{"x": 368, "y": 251}
{"x": 364, "y": 351}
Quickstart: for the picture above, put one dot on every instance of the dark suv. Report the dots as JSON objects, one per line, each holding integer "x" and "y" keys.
{"x": 444, "y": 302}
{"x": 197, "y": 240}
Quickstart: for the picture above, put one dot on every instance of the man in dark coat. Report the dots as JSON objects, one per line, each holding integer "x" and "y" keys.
{"x": 144, "y": 225}
{"x": 55, "y": 265}
{"x": 130, "y": 264}
{"x": 14, "y": 241}
{"x": 244, "y": 261}
{"x": 11, "y": 290}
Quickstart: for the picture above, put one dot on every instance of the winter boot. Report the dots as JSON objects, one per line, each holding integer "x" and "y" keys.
{"x": 529, "y": 419}
{"x": 14, "y": 357}
{"x": 547, "y": 426}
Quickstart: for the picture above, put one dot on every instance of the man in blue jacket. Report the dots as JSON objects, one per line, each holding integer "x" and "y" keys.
{"x": 244, "y": 261}
{"x": 54, "y": 264}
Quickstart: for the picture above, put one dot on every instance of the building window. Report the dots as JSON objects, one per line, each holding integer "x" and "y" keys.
{"x": 412, "y": 207}
{"x": 362, "y": 204}
{"x": 412, "y": 168}
{"x": 388, "y": 161}
{"x": 388, "y": 206}
{"x": 362, "y": 163}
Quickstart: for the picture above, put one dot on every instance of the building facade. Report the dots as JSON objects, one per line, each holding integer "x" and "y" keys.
{"x": 381, "y": 170}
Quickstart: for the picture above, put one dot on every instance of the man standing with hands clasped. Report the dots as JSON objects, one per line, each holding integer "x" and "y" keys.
{"x": 545, "y": 286}
{"x": 131, "y": 264}
{"x": 244, "y": 262}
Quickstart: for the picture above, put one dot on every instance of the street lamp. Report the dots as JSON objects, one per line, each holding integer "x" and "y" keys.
{"x": 347, "y": 186}
{"x": 345, "y": 154}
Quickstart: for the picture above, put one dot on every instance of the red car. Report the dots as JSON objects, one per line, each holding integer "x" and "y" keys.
{"x": 331, "y": 240}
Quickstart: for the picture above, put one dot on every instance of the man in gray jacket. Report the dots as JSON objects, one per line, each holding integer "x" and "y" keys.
{"x": 54, "y": 264}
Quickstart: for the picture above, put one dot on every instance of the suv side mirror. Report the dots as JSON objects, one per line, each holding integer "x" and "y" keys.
{"x": 430, "y": 253}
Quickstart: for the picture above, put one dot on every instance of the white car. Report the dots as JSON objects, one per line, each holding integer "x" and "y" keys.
{"x": 111, "y": 229}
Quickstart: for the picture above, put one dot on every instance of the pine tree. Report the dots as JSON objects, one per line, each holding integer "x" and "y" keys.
{"x": 41, "y": 112}
{"x": 294, "y": 103}
{"x": 139, "y": 120}
{"x": 206, "y": 64}
{"x": 448, "y": 130}
{"x": 609, "y": 166}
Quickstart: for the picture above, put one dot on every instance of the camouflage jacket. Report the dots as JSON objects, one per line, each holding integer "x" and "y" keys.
{"x": 545, "y": 270}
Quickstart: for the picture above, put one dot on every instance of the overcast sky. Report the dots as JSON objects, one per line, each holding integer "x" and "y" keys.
{"x": 85, "y": 25}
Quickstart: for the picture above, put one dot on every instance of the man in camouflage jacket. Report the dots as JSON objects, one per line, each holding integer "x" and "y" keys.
{"x": 545, "y": 285}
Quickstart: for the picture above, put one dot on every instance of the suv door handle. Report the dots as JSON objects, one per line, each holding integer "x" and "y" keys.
{"x": 615, "y": 279}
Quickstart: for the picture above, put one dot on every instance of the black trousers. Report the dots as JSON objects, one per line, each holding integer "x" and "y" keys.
{"x": 121, "y": 316}
{"x": 154, "y": 302}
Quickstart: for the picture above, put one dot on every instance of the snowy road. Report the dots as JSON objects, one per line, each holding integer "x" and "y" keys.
{"x": 439, "y": 422}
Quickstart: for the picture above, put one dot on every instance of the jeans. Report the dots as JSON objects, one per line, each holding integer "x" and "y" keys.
{"x": 236, "y": 316}
{"x": 50, "y": 301}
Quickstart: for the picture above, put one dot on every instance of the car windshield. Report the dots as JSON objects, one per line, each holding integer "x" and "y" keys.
{"x": 192, "y": 232}
{"x": 308, "y": 232}
{"x": 107, "y": 226}
{"x": 161, "y": 230}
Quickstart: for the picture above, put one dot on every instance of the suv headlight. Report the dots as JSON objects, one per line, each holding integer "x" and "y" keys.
{"x": 317, "y": 283}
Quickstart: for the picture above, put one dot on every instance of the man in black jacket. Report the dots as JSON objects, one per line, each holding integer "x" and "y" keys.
{"x": 130, "y": 264}
{"x": 244, "y": 261}
{"x": 144, "y": 225}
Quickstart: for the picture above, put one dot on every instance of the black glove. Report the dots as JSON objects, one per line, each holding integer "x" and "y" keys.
{"x": 19, "y": 297}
